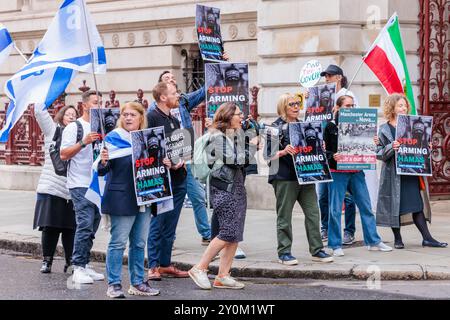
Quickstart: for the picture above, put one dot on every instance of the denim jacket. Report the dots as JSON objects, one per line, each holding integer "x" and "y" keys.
{"x": 192, "y": 100}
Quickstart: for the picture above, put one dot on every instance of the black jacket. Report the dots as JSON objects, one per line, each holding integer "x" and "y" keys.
{"x": 119, "y": 198}
{"x": 233, "y": 152}
{"x": 330, "y": 136}
{"x": 282, "y": 168}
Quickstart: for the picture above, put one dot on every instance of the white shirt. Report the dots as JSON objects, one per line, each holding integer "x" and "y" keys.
{"x": 346, "y": 92}
{"x": 79, "y": 171}
{"x": 176, "y": 113}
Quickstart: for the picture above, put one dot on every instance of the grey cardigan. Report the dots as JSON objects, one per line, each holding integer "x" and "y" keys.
{"x": 388, "y": 206}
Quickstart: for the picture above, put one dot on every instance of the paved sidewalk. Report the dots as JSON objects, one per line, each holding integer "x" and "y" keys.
{"x": 414, "y": 262}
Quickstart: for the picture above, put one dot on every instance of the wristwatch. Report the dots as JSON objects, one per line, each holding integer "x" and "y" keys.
{"x": 82, "y": 144}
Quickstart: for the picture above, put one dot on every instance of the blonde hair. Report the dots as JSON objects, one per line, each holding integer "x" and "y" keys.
{"x": 136, "y": 106}
{"x": 282, "y": 104}
{"x": 390, "y": 102}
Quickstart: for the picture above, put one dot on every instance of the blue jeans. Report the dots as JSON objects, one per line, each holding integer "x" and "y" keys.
{"x": 337, "y": 189}
{"x": 162, "y": 230}
{"x": 350, "y": 209}
{"x": 88, "y": 218}
{"x": 196, "y": 194}
{"x": 123, "y": 228}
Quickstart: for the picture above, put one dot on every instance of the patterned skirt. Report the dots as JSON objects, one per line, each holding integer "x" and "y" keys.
{"x": 230, "y": 209}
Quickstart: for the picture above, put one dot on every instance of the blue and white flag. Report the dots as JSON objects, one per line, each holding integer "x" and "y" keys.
{"x": 63, "y": 52}
{"x": 6, "y": 44}
{"x": 118, "y": 143}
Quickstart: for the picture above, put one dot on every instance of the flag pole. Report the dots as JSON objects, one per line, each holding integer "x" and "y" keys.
{"x": 20, "y": 52}
{"x": 93, "y": 68}
{"x": 356, "y": 73}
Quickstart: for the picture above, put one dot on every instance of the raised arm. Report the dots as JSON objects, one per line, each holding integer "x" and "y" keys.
{"x": 45, "y": 121}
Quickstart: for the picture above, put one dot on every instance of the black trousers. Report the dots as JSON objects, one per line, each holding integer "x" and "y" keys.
{"x": 50, "y": 237}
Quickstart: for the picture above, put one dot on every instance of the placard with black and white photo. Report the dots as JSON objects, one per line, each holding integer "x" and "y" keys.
{"x": 151, "y": 177}
{"x": 414, "y": 154}
{"x": 226, "y": 82}
{"x": 311, "y": 164}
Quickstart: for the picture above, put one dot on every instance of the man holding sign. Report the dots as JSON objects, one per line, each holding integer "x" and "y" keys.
{"x": 163, "y": 227}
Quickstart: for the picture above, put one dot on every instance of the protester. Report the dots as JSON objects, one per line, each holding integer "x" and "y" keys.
{"x": 239, "y": 254}
{"x": 334, "y": 74}
{"x": 87, "y": 214}
{"x": 195, "y": 191}
{"x": 400, "y": 196}
{"x": 342, "y": 180}
{"x": 54, "y": 214}
{"x": 163, "y": 226}
{"x": 128, "y": 220}
{"x": 288, "y": 191}
{"x": 228, "y": 195}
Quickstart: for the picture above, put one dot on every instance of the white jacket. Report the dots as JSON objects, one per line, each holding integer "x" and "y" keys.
{"x": 49, "y": 181}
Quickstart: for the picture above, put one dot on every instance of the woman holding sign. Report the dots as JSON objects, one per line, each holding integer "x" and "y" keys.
{"x": 287, "y": 189}
{"x": 400, "y": 195}
{"x": 128, "y": 220}
{"x": 228, "y": 196}
{"x": 342, "y": 180}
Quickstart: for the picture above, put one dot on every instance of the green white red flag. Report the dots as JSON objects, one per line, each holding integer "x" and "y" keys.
{"x": 387, "y": 59}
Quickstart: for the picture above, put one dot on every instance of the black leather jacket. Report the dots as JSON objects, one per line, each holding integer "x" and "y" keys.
{"x": 233, "y": 152}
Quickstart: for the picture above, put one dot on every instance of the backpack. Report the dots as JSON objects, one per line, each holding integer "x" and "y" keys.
{"x": 61, "y": 166}
{"x": 200, "y": 167}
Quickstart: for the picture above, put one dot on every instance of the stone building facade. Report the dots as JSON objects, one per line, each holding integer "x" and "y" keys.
{"x": 276, "y": 37}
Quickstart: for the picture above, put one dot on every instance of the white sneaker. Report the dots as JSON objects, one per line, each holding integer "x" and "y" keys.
{"x": 240, "y": 254}
{"x": 200, "y": 278}
{"x": 80, "y": 276}
{"x": 338, "y": 252}
{"x": 380, "y": 247}
{"x": 227, "y": 282}
{"x": 94, "y": 275}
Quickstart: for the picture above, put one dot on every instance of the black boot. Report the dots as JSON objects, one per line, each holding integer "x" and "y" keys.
{"x": 68, "y": 264}
{"x": 47, "y": 265}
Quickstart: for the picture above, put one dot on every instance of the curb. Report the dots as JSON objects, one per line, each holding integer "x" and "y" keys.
{"x": 355, "y": 272}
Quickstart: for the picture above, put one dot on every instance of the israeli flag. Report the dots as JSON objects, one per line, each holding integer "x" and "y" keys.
{"x": 64, "y": 51}
{"x": 118, "y": 143}
{"x": 6, "y": 44}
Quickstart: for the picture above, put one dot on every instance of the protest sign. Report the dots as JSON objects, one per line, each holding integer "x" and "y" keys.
{"x": 179, "y": 146}
{"x": 310, "y": 74}
{"x": 271, "y": 140}
{"x": 226, "y": 82}
{"x": 311, "y": 165}
{"x": 106, "y": 117}
{"x": 414, "y": 154}
{"x": 151, "y": 177}
{"x": 356, "y": 130}
{"x": 207, "y": 22}
{"x": 320, "y": 103}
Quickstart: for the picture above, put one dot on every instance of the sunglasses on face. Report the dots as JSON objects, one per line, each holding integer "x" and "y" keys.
{"x": 294, "y": 104}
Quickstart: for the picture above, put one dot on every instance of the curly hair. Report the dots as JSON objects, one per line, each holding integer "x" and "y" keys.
{"x": 224, "y": 115}
{"x": 390, "y": 102}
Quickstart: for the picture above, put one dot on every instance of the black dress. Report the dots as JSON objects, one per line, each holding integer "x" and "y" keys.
{"x": 410, "y": 198}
